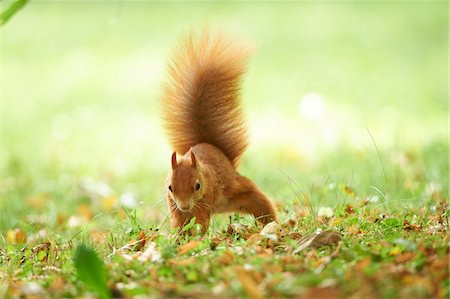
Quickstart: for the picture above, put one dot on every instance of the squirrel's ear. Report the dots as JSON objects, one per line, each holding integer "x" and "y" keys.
{"x": 174, "y": 160}
{"x": 193, "y": 160}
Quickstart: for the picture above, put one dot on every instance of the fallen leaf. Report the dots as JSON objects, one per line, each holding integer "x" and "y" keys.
{"x": 57, "y": 284}
{"x": 254, "y": 239}
{"x": 249, "y": 284}
{"x": 348, "y": 190}
{"x": 186, "y": 262}
{"x": 418, "y": 281}
{"x": 318, "y": 239}
{"x": 395, "y": 251}
{"x": 238, "y": 229}
{"x": 16, "y": 236}
{"x": 295, "y": 235}
{"x": 143, "y": 239}
{"x": 226, "y": 259}
{"x": 185, "y": 248}
{"x": 349, "y": 209}
{"x": 319, "y": 292}
{"x": 271, "y": 228}
{"x": 109, "y": 202}
{"x": 404, "y": 257}
{"x": 38, "y": 201}
{"x": 409, "y": 226}
{"x": 85, "y": 211}
{"x": 354, "y": 230}
{"x": 363, "y": 264}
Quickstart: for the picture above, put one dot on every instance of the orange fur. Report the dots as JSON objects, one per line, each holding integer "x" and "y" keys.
{"x": 204, "y": 123}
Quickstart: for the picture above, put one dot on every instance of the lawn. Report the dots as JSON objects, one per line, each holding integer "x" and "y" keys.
{"x": 347, "y": 105}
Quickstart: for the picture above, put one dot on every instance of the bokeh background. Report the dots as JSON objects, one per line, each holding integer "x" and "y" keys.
{"x": 337, "y": 94}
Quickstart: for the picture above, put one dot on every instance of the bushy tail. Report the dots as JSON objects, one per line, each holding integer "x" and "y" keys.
{"x": 201, "y": 96}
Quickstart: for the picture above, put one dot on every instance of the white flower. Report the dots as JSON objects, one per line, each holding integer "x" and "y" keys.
{"x": 32, "y": 288}
{"x": 128, "y": 200}
{"x": 374, "y": 199}
{"x": 151, "y": 253}
{"x": 325, "y": 212}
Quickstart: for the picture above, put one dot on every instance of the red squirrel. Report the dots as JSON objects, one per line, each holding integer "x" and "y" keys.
{"x": 204, "y": 123}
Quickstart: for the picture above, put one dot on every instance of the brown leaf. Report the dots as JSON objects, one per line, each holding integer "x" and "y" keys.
{"x": 295, "y": 236}
{"x": 349, "y": 209}
{"x": 85, "y": 211}
{"x": 226, "y": 259}
{"x": 348, "y": 190}
{"x": 271, "y": 228}
{"x": 239, "y": 229}
{"x": 189, "y": 261}
{"x": 185, "y": 248}
{"x": 363, "y": 264}
{"x": 142, "y": 237}
{"x": 354, "y": 230}
{"x": 38, "y": 201}
{"x": 321, "y": 292}
{"x": 292, "y": 222}
{"x": 409, "y": 226}
{"x": 16, "y": 236}
{"x": 404, "y": 257}
{"x": 318, "y": 239}
{"x": 249, "y": 284}
{"x": 254, "y": 239}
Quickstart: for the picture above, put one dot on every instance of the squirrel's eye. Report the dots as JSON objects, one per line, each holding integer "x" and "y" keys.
{"x": 197, "y": 186}
{"x": 170, "y": 188}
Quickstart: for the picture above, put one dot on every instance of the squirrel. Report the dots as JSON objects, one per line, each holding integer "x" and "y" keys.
{"x": 204, "y": 123}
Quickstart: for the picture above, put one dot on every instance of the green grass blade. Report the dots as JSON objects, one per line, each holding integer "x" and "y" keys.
{"x": 11, "y": 10}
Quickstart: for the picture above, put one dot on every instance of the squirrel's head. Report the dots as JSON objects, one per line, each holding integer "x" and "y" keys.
{"x": 185, "y": 182}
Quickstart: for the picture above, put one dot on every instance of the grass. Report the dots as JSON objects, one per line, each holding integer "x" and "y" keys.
{"x": 83, "y": 158}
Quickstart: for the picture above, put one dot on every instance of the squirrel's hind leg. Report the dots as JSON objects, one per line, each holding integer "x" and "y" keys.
{"x": 249, "y": 199}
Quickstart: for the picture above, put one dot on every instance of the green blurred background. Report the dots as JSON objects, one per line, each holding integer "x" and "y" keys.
{"x": 80, "y": 83}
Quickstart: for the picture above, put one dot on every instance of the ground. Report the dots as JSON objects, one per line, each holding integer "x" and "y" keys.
{"x": 388, "y": 247}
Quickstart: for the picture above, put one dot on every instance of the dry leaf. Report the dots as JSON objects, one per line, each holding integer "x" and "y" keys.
{"x": 321, "y": 292}
{"x": 318, "y": 239}
{"x": 405, "y": 257}
{"x": 249, "y": 284}
{"x": 226, "y": 259}
{"x": 109, "y": 202}
{"x": 16, "y": 236}
{"x": 271, "y": 228}
{"x": 254, "y": 239}
{"x": 409, "y": 226}
{"x": 349, "y": 209}
{"x": 85, "y": 211}
{"x": 348, "y": 190}
{"x": 183, "y": 249}
{"x": 354, "y": 230}
{"x": 38, "y": 201}
{"x": 186, "y": 262}
{"x": 238, "y": 229}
